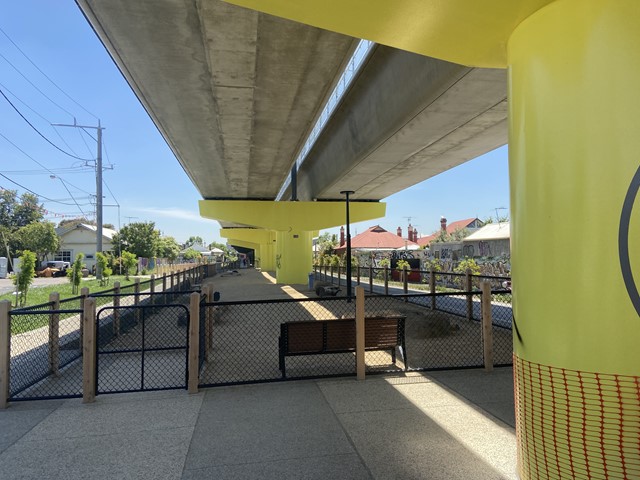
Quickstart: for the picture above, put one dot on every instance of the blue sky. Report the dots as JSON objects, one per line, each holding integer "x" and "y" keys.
{"x": 147, "y": 181}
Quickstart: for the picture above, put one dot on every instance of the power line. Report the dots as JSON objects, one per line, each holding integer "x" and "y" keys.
{"x": 36, "y": 194}
{"x": 45, "y": 75}
{"x": 39, "y": 115}
{"x": 38, "y": 131}
{"x": 40, "y": 164}
{"x": 34, "y": 86}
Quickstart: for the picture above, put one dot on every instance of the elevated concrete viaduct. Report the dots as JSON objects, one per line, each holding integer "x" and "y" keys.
{"x": 235, "y": 93}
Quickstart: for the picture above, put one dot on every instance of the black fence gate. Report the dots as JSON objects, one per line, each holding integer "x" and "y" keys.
{"x": 141, "y": 347}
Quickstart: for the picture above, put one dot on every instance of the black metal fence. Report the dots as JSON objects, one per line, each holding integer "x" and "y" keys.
{"x": 46, "y": 340}
{"x": 142, "y": 347}
{"x": 261, "y": 341}
{"x": 142, "y": 339}
{"x": 44, "y": 355}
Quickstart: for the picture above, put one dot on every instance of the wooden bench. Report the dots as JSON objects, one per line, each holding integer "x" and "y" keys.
{"x": 319, "y": 337}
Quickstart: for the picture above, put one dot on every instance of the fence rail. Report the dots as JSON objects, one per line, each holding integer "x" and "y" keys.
{"x": 41, "y": 346}
{"x": 142, "y": 340}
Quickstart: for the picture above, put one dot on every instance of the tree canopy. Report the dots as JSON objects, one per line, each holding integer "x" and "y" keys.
{"x": 139, "y": 238}
{"x": 39, "y": 237}
{"x": 193, "y": 240}
{"x": 18, "y": 212}
{"x": 168, "y": 248}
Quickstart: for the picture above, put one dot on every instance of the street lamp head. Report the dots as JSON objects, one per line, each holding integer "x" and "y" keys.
{"x": 347, "y": 192}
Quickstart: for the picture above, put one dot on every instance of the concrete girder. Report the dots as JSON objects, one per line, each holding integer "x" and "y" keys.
{"x": 405, "y": 119}
{"x": 233, "y": 92}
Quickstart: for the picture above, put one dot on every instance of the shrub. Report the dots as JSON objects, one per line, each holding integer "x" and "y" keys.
{"x": 75, "y": 273}
{"x": 24, "y": 279}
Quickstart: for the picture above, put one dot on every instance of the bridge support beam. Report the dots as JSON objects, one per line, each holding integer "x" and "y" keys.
{"x": 294, "y": 225}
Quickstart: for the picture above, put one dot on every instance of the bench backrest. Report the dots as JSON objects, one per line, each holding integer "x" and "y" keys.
{"x": 340, "y": 335}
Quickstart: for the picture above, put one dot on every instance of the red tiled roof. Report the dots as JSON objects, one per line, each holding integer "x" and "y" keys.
{"x": 452, "y": 227}
{"x": 377, "y": 237}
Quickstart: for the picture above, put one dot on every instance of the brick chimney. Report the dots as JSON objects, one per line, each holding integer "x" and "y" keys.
{"x": 415, "y": 234}
{"x": 443, "y": 223}
{"x": 399, "y": 232}
{"x": 341, "y": 235}
{"x": 410, "y": 233}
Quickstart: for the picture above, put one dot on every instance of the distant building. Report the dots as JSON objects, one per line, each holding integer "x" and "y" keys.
{"x": 491, "y": 241}
{"x": 81, "y": 238}
{"x": 470, "y": 224}
{"x": 377, "y": 238}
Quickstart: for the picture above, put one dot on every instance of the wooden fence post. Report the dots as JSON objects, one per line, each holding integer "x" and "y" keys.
{"x": 5, "y": 351}
{"x": 370, "y": 278}
{"x": 432, "y": 288}
{"x": 331, "y": 274}
{"x": 487, "y": 327}
{"x": 116, "y": 312}
{"x": 469, "y": 286}
{"x": 194, "y": 341}
{"x": 208, "y": 323}
{"x": 360, "y": 326}
{"x": 405, "y": 282}
{"x": 89, "y": 351}
{"x": 152, "y": 289}
{"x": 54, "y": 334}
{"x": 164, "y": 282}
{"x": 84, "y": 294}
{"x": 386, "y": 280}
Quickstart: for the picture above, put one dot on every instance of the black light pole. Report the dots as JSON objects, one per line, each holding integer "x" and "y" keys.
{"x": 347, "y": 193}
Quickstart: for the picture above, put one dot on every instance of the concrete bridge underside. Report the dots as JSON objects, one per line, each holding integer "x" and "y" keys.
{"x": 235, "y": 94}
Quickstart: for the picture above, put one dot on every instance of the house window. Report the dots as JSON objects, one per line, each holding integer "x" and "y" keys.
{"x": 63, "y": 256}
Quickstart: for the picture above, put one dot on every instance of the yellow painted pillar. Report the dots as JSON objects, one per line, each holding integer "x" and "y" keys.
{"x": 574, "y": 161}
{"x": 294, "y": 257}
{"x": 294, "y": 224}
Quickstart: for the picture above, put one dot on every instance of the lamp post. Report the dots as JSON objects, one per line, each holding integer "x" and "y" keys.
{"x": 347, "y": 193}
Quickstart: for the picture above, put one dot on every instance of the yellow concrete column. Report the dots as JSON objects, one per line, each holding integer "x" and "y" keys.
{"x": 574, "y": 143}
{"x": 294, "y": 257}
{"x": 294, "y": 224}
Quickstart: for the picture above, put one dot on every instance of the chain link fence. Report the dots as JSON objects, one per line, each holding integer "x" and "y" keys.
{"x": 45, "y": 352}
{"x": 46, "y": 343}
{"x": 244, "y": 341}
{"x": 142, "y": 347}
{"x": 267, "y": 341}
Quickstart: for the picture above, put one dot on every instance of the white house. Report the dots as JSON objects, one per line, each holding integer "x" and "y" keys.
{"x": 81, "y": 238}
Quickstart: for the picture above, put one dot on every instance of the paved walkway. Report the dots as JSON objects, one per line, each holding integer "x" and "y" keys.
{"x": 447, "y": 425}
{"x": 442, "y": 425}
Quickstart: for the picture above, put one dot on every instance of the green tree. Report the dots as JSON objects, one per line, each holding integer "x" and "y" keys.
{"x": 402, "y": 266}
{"x": 75, "y": 273}
{"x": 193, "y": 240}
{"x": 191, "y": 254}
{"x": 72, "y": 222}
{"x": 103, "y": 262}
{"x": 139, "y": 238}
{"x": 168, "y": 248}
{"x": 23, "y": 280}
{"x": 326, "y": 244}
{"x": 17, "y": 212}
{"x": 128, "y": 261}
{"x": 467, "y": 264}
{"x": 39, "y": 237}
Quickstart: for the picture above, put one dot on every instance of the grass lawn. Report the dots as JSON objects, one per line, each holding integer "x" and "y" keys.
{"x": 39, "y": 295}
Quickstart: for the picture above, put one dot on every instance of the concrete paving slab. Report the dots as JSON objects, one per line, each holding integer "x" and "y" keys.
{"x": 493, "y": 391}
{"x": 14, "y": 425}
{"x": 123, "y": 455}
{"x": 308, "y": 468}
{"x": 290, "y": 421}
{"x": 86, "y": 420}
{"x": 408, "y": 444}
